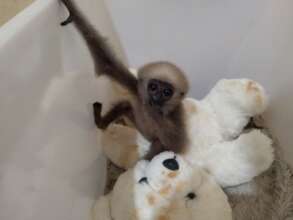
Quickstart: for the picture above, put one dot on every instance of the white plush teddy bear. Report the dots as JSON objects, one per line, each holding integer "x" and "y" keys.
{"x": 166, "y": 188}
{"x": 215, "y": 128}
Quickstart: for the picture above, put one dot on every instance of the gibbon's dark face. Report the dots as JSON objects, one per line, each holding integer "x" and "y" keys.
{"x": 159, "y": 92}
{"x": 161, "y": 86}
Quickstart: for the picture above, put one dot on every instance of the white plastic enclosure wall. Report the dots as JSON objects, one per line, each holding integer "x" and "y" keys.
{"x": 50, "y": 163}
{"x": 51, "y": 166}
{"x": 212, "y": 39}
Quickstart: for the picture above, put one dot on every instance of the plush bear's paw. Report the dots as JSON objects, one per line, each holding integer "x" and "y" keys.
{"x": 257, "y": 151}
{"x": 248, "y": 95}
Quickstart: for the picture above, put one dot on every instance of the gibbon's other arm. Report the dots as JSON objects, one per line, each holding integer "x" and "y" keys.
{"x": 174, "y": 134}
{"x": 104, "y": 59}
{"x": 118, "y": 110}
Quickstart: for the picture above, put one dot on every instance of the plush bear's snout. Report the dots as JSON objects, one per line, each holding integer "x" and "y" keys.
{"x": 171, "y": 164}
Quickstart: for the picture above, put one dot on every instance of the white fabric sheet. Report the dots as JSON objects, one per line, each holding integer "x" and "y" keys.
{"x": 51, "y": 165}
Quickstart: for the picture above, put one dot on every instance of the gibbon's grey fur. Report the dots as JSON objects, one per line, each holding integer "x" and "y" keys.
{"x": 158, "y": 91}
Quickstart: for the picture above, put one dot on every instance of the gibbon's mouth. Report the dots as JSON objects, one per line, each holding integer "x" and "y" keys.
{"x": 153, "y": 102}
{"x": 155, "y": 106}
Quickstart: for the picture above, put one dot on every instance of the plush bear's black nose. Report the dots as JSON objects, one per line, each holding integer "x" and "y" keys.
{"x": 171, "y": 164}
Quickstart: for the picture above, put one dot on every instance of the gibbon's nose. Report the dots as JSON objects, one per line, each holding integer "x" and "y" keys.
{"x": 157, "y": 97}
{"x": 171, "y": 164}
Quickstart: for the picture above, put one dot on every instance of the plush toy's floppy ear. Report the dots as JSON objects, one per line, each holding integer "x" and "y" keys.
{"x": 119, "y": 145}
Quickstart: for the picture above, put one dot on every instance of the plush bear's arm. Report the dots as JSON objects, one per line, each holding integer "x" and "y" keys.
{"x": 236, "y": 162}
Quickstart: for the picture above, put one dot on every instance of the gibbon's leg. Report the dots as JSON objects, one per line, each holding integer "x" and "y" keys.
{"x": 155, "y": 148}
{"x": 118, "y": 110}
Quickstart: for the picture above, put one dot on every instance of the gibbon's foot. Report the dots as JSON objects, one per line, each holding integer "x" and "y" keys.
{"x": 155, "y": 149}
{"x": 67, "y": 21}
{"x": 97, "y": 106}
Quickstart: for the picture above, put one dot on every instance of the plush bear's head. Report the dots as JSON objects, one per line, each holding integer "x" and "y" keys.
{"x": 166, "y": 188}
{"x": 234, "y": 102}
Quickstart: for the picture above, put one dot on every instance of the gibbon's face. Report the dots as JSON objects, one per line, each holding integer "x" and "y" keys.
{"x": 162, "y": 86}
{"x": 159, "y": 92}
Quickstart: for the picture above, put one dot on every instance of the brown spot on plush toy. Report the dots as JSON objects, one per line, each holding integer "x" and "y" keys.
{"x": 172, "y": 175}
{"x": 151, "y": 199}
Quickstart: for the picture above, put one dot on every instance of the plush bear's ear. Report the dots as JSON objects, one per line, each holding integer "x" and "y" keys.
{"x": 119, "y": 145}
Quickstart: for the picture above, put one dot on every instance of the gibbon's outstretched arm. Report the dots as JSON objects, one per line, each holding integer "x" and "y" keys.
{"x": 122, "y": 108}
{"x": 162, "y": 87}
{"x": 104, "y": 59}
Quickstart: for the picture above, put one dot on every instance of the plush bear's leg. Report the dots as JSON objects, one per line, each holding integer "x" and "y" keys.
{"x": 236, "y": 162}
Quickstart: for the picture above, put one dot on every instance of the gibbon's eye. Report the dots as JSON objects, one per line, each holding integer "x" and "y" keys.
{"x": 168, "y": 92}
{"x": 153, "y": 87}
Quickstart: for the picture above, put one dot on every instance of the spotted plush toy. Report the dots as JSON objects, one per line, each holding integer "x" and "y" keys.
{"x": 166, "y": 188}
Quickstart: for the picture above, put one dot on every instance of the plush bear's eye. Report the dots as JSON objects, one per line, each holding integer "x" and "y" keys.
{"x": 143, "y": 180}
{"x": 191, "y": 195}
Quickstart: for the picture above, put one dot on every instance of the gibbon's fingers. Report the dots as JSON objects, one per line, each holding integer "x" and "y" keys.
{"x": 67, "y": 21}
